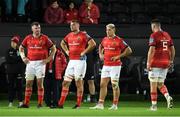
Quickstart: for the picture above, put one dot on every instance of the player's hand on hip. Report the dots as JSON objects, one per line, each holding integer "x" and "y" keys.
{"x": 149, "y": 67}
{"x": 45, "y": 61}
{"x": 67, "y": 53}
{"x": 171, "y": 64}
{"x": 101, "y": 56}
{"x": 25, "y": 60}
{"x": 82, "y": 54}
{"x": 115, "y": 58}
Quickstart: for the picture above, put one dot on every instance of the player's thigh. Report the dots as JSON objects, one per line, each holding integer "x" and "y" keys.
{"x": 104, "y": 82}
{"x": 153, "y": 86}
{"x": 115, "y": 73}
{"x": 89, "y": 75}
{"x": 162, "y": 75}
{"x": 153, "y": 75}
{"x": 40, "y": 70}
{"x": 69, "y": 72}
{"x": 30, "y": 71}
{"x": 80, "y": 69}
{"x": 105, "y": 73}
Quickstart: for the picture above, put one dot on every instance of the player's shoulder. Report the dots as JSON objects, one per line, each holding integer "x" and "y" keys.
{"x": 83, "y": 33}
{"x": 119, "y": 38}
{"x": 104, "y": 38}
{"x": 28, "y": 36}
{"x": 166, "y": 33}
{"x": 154, "y": 34}
{"x": 44, "y": 36}
{"x": 94, "y": 5}
{"x": 69, "y": 34}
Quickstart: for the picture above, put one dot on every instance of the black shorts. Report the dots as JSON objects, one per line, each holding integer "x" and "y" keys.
{"x": 89, "y": 74}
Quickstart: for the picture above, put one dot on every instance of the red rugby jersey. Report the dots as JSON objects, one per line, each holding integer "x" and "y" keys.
{"x": 37, "y": 48}
{"x": 162, "y": 42}
{"x": 77, "y": 43}
{"x": 113, "y": 47}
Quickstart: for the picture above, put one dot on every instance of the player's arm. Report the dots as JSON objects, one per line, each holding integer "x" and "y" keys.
{"x": 101, "y": 52}
{"x": 63, "y": 45}
{"x": 125, "y": 53}
{"x": 151, "y": 52}
{"x": 22, "y": 54}
{"x": 90, "y": 47}
{"x": 51, "y": 55}
{"x": 172, "y": 54}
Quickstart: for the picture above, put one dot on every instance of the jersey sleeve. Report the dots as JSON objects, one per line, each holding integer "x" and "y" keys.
{"x": 88, "y": 37}
{"x": 24, "y": 42}
{"x": 102, "y": 42}
{"x": 66, "y": 38}
{"x": 49, "y": 43}
{"x": 152, "y": 41}
{"x": 171, "y": 41}
{"x": 123, "y": 45}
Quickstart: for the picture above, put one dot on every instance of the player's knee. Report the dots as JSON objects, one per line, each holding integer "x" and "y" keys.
{"x": 91, "y": 83}
{"x": 78, "y": 78}
{"x": 66, "y": 84}
{"x": 115, "y": 84}
{"x": 68, "y": 78}
{"x": 80, "y": 92}
{"x": 39, "y": 83}
{"x": 160, "y": 85}
{"x": 29, "y": 84}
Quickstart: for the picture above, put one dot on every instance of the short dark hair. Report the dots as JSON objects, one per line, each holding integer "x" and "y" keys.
{"x": 52, "y": 1}
{"x": 75, "y": 21}
{"x": 35, "y": 23}
{"x": 155, "y": 21}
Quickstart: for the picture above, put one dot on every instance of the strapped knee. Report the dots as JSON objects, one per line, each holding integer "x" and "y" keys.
{"x": 115, "y": 84}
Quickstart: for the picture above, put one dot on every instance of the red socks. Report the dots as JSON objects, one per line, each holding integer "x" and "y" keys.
{"x": 64, "y": 94}
{"x": 79, "y": 99}
{"x": 163, "y": 90}
{"x": 28, "y": 93}
{"x": 115, "y": 101}
{"x": 154, "y": 97}
{"x": 40, "y": 95}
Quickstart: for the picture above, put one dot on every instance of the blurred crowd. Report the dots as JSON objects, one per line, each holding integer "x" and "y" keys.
{"x": 49, "y": 11}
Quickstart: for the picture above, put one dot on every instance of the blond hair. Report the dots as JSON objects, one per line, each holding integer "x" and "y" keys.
{"x": 111, "y": 26}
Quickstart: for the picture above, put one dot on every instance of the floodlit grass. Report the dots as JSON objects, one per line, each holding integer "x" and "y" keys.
{"x": 126, "y": 108}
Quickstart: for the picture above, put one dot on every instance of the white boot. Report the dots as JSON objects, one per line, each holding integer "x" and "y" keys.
{"x": 98, "y": 106}
{"x": 153, "y": 108}
{"x": 169, "y": 102}
{"x": 20, "y": 103}
{"x": 10, "y": 104}
{"x": 113, "y": 107}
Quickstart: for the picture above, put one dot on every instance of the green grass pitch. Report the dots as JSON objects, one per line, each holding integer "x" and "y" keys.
{"x": 126, "y": 108}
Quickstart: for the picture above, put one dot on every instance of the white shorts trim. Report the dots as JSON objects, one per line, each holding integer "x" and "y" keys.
{"x": 75, "y": 69}
{"x": 112, "y": 72}
{"x": 35, "y": 68}
{"x": 157, "y": 74}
